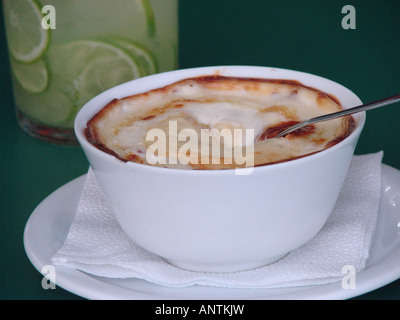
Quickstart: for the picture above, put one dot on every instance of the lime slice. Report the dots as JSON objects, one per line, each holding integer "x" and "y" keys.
{"x": 167, "y": 52}
{"x": 51, "y": 107}
{"x": 85, "y": 68}
{"x": 27, "y": 40}
{"x": 146, "y": 60}
{"x": 33, "y": 77}
{"x": 150, "y": 19}
{"x": 100, "y": 75}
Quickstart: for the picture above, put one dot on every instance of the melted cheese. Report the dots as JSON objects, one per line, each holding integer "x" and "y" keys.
{"x": 221, "y": 109}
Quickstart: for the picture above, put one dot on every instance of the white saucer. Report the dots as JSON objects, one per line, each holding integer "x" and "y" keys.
{"x": 48, "y": 226}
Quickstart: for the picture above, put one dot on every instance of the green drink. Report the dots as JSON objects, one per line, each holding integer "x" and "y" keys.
{"x": 65, "y": 52}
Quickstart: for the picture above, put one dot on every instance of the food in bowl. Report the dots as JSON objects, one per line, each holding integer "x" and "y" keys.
{"x": 220, "y": 220}
{"x": 200, "y": 122}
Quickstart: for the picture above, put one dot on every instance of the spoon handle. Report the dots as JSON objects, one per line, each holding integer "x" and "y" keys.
{"x": 345, "y": 112}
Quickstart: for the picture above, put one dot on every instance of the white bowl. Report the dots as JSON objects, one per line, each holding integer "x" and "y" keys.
{"x": 217, "y": 220}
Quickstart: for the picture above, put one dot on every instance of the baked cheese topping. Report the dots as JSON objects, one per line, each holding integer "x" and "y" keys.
{"x": 201, "y": 123}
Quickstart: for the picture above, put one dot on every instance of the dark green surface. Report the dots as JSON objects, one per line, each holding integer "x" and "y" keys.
{"x": 301, "y": 35}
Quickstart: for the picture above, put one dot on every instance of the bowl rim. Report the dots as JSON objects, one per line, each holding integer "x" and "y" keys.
{"x": 95, "y": 104}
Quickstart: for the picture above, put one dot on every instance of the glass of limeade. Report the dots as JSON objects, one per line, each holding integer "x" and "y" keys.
{"x": 65, "y": 52}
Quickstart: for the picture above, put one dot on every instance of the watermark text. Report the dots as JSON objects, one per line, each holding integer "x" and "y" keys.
{"x": 210, "y": 146}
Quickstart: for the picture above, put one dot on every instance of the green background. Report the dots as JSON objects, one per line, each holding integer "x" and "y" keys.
{"x": 303, "y": 35}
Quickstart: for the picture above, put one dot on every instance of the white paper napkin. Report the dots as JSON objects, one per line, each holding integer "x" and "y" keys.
{"x": 96, "y": 244}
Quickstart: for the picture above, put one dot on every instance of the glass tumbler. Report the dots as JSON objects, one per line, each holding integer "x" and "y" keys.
{"x": 64, "y": 52}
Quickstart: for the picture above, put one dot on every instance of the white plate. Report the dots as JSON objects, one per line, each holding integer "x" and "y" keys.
{"x": 48, "y": 226}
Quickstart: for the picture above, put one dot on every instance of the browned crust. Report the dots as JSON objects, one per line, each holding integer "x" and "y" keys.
{"x": 94, "y": 137}
{"x": 350, "y": 127}
{"x": 212, "y": 79}
{"x": 92, "y": 134}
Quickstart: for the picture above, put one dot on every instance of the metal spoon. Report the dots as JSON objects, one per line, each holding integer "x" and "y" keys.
{"x": 334, "y": 115}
